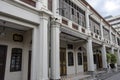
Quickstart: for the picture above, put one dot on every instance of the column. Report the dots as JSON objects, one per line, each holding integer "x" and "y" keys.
{"x": 112, "y": 50}
{"x": 87, "y": 18}
{"x": 104, "y": 58}
{"x": 39, "y": 70}
{"x": 35, "y": 52}
{"x": 90, "y": 60}
{"x": 101, "y": 28}
{"x": 55, "y": 51}
{"x": 55, "y": 6}
{"x": 25, "y": 57}
{"x": 118, "y": 57}
{"x": 110, "y": 35}
{"x": 116, "y": 38}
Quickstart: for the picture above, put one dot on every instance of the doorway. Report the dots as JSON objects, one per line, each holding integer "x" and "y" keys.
{"x": 3, "y": 53}
{"x": 85, "y": 62}
{"x": 99, "y": 61}
{"x": 63, "y": 69}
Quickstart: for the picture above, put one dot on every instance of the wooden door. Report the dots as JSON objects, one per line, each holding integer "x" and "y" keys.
{"x": 63, "y": 69}
{"x": 3, "y": 52}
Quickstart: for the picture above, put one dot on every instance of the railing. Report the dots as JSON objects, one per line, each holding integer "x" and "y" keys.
{"x": 96, "y": 36}
{"x": 73, "y": 25}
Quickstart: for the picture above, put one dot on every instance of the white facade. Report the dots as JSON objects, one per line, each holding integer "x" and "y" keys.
{"x": 55, "y": 43}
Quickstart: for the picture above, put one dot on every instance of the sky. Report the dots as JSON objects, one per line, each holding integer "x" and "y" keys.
{"x": 106, "y": 7}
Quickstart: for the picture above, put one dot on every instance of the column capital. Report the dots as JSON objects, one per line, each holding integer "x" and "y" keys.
{"x": 54, "y": 23}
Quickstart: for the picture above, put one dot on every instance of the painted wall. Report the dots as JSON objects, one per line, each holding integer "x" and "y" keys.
{"x": 8, "y": 40}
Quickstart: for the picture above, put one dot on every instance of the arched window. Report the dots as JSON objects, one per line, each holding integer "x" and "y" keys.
{"x": 70, "y": 59}
{"x": 79, "y": 58}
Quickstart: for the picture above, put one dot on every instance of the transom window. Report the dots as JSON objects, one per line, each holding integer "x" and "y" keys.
{"x": 70, "y": 46}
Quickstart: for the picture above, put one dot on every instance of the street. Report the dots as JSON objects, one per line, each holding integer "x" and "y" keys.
{"x": 114, "y": 77}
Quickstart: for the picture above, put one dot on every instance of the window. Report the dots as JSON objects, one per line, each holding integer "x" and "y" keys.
{"x": 95, "y": 60}
{"x": 70, "y": 59}
{"x": 70, "y": 46}
{"x": 79, "y": 58}
{"x": 106, "y": 33}
{"x": 72, "y": 11}
{"x": 16, "y": 59}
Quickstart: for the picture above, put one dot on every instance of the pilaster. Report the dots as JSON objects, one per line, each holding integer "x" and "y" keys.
{"x": 39, "y": 70}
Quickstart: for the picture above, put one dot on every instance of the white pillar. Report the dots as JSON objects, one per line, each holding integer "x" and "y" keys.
{"x": 27, "y": 40}
{"x": 90, "y": 60}
{"x": 104, "y": 58}
{"x": 118, "y": 57}
{"x": 55, "y": 51}
{"x": 110, "y": 34}
{"x": 87, "y": 18}
{"x": 35, "y": 52}
{"x": 116, "y": 38}
{"x": 39, "y": 69}
{"x": 101, "y": 29}
{"x": 55, "y": 7}
{"x": 112, "y": 50}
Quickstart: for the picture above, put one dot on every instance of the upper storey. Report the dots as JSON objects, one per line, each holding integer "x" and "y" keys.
{"x": 75, "y": 14}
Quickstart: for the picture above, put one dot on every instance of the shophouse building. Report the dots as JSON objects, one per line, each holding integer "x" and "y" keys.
{"x": 49, "y": 39}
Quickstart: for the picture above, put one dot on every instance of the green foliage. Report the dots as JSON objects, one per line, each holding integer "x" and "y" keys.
{"x": 108, "y": 57}
{"x": 113, "y": 58}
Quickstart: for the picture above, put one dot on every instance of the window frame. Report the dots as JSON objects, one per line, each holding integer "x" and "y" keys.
{"x": 16, "y": 60}
{"x": 79, "y": 58}
{"x": 70, "y": 58}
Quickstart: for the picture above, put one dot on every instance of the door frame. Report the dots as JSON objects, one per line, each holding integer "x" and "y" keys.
{"x": 65, "y": 62}
{"x": 5, "y": 58}
{"x": 29, "y": 64}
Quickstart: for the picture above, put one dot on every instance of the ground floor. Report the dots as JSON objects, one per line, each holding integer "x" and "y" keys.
{"x": 28, "y": 53}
